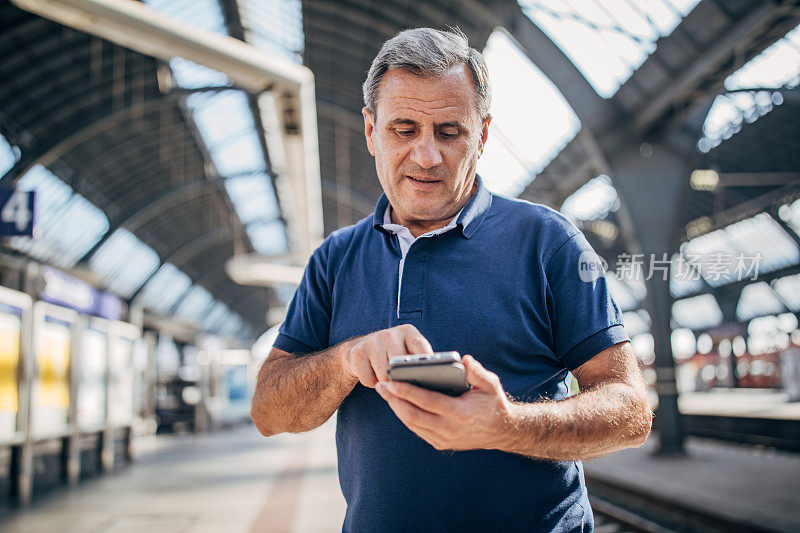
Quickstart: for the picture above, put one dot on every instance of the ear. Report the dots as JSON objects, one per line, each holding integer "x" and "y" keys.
{"x": 484, "y": 134}
{"x": 369, "y": 128}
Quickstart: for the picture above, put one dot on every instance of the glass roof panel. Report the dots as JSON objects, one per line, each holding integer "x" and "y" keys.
{"x": 777, "y": 66}
{"x": 684, "y": 277}
{"x": 204, "y": 14}
{"x": 221, "y": 117}
{"x": 636, "y": 322}
{"x": 268, "y": 238}
{"x": 7, "y": 156}
{"x": 594, "y": 200}
{"x": 214, "y": 314}
{"x": 790, "y": 213}
{"x": 190, "y": 75}
{"x": 164, "y": 289}
{"x": 124, "y": 262}
{"x": 274, "y": 26}
{"x": 621, "y": 294}
{"x": 607, "y": 40}
{"x": 698, "y": 312}
{"x": 194, "y": 303}
{"x": 757, "y": 299}
{"x": 66, "y": 225}
{"x": 253, "y": 197}
{"x": 742, "y": 250}
{"x": 522, "y": 139}
{"x": 788, "y": 288}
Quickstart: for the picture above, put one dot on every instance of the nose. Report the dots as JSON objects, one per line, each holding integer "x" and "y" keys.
{"x": 426, "y": 152}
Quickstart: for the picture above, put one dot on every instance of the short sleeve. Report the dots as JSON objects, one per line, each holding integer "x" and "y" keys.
{"x": 585, "y": 318}
{"x": 308, "y": 318}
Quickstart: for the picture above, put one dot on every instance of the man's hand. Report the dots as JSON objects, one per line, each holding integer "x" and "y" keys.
{"x": 367, "y": 359}
{"x": 476, "y": 419}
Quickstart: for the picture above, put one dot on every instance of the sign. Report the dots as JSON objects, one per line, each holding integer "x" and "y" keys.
{"x": 62, "y": 289}
{"x": 16, "y": 212}
{"x": 10, "y": 327}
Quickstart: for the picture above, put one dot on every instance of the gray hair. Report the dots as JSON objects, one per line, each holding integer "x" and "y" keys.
{"x": 426, "y": 52}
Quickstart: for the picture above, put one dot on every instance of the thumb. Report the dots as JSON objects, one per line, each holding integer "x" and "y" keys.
{"x": 479, "y": 377}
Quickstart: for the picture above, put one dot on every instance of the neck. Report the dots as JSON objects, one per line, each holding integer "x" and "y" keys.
{"x": 420, "y": 227}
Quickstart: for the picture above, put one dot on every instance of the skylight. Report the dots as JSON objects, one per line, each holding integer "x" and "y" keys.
{"x": 625, "y": 300}
{"x": 757, "y": 299}
{"x": 594, "y": 200}
{"x": 788, "y": 289}
{"x": 268, "y": 238}
{"x": 741, "y": 250}
{"x": 776, "y": 67}
{"x": 164, "y": 289}
{"x": 7, "y": 156}
{"x": 274, "y": 26}
{"x": 204, "y": 14}
{"x": 124, "y": 262}
{"x": 790, "y": 213}
{"x": 66, "y": 225}
{"x": 190, "y": 75}
{"x": 194, "y": 303}
{"x": 698, "y": 312}
{"x": 523, "y": 139}
{"x": 607, "y": 39}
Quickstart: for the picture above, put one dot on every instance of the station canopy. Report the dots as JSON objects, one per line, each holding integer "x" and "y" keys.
{"x": 151, "y": 174}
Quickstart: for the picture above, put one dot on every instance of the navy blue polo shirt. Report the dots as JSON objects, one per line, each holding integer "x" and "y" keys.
{"x": 515, "y": 284}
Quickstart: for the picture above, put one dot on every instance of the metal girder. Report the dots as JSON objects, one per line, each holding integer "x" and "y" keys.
{"x": 61, "y": 142}
{"x": 591, "y": 109}
{"x": 138, "y": 27}
{"x": 722, "y": 58}
{"x": 747, "y": 179}
{"x": 139, "y": 214}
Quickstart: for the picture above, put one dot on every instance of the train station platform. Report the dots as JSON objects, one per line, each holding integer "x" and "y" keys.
{"x": 715, "y": 486}
{"x": 237, "y": 481}
{"x": 234, "y": 481}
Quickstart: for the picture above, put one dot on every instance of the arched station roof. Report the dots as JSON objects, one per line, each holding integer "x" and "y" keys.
{"x": 143, "y": 140}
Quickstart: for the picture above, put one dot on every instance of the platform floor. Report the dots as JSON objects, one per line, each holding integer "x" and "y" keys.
{"x": 748, "y": 485}
{"x": 234, "y": 481}
{"x": 749, "y": 403}
{"x": 237, "y": 481}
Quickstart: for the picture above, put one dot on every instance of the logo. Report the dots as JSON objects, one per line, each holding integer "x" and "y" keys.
{"x": 591, "y": 266}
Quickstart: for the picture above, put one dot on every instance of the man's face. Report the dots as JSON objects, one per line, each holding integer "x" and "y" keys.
{"x": 426, "y": 139}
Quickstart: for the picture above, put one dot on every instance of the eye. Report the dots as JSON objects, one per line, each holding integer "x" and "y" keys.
{"x": 405, "y": 132}
{"x": 448, "y": 133}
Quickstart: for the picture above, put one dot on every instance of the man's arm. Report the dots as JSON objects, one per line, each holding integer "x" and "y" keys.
{"x": 297, "y": 393}
{"x": 610, "y": 413}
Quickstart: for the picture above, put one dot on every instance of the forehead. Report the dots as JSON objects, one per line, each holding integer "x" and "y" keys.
{"x": 450, "y": 96}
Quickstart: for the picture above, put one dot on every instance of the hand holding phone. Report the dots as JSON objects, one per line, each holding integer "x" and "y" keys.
{"x": 440, "y": 371}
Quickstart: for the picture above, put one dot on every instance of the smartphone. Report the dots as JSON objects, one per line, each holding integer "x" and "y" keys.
{"x": 440, "y": 371}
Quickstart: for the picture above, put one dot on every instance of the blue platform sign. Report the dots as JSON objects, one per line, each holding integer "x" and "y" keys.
{"x": 16, "y": 212}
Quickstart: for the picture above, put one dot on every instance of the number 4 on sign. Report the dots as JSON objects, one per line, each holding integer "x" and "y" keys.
{"x": 17, "y": 211}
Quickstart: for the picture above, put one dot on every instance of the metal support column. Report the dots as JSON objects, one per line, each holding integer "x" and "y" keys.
{"x": 651, "y": 181}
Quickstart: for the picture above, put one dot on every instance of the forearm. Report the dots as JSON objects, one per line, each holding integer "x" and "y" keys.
{"x": 607, "y": 418}
{"x": 298, "y": 393}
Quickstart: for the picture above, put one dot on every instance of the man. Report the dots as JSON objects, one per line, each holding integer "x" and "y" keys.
{"x": 443, "y": 264}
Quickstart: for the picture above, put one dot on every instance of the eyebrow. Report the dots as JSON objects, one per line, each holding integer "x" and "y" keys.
{"x": 409, "y": 122}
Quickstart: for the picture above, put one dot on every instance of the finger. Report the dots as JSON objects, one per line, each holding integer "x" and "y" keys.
{"x": 412, "y": 416}
{"x": 380, "y": 365}
{"x": 415, "y": 342}
{"x": 364, "y": 372}
{"x": 427, "y": 400}
{"x": 477, "y": 376}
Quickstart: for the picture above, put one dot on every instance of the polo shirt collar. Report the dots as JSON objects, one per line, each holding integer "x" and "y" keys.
{"x": 469, "y": 218}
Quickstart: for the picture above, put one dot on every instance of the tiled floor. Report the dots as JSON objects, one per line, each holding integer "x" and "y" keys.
{"x": 232, "y": 481}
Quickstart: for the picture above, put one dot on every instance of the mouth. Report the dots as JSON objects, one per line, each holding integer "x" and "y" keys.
{"x": 423, "y": 179}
